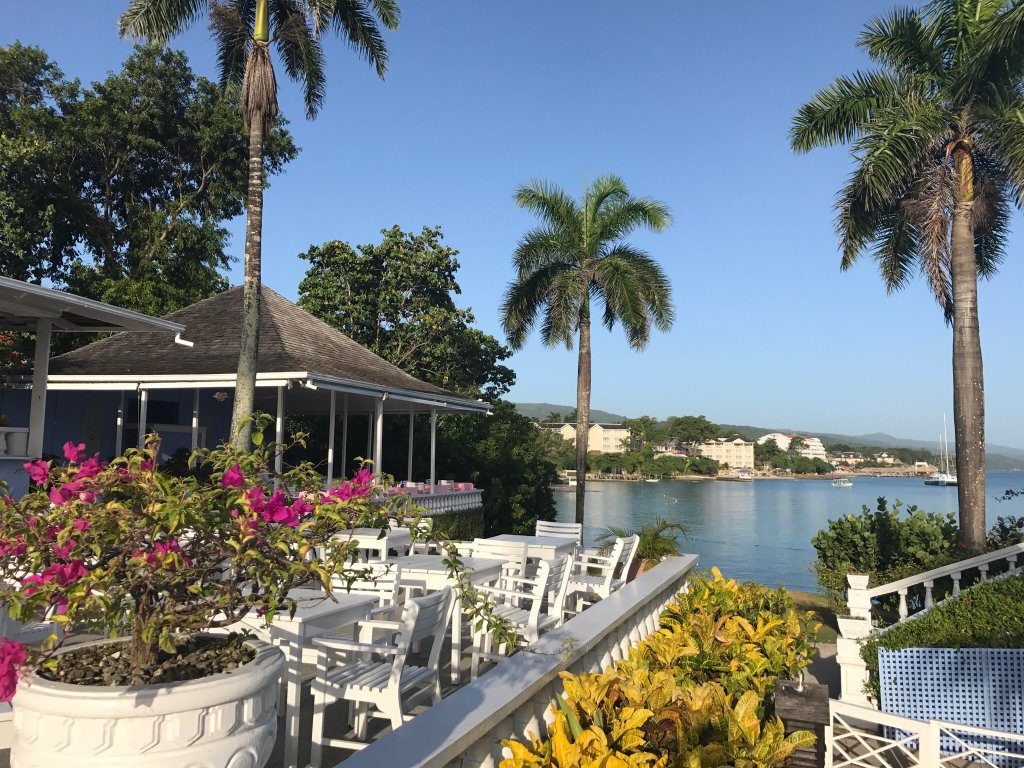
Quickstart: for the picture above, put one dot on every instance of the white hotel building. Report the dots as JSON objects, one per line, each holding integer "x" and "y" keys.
{"x": 813, "y": 448}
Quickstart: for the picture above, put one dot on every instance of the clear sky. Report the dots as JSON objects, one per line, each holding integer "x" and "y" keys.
{"x": 690, "y": 103}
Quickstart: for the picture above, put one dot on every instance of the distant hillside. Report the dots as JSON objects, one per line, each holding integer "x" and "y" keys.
{"x": 997, "y": 457}
{"x": 541, "y": 411}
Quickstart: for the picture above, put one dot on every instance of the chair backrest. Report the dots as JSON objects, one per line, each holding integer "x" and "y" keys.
{"x": 557, "y": 586}
{"x": 513, "y": 552}
{"x": 382, "y": 580}
{"x": 607, "y": 572}
{"x": 572, "y": 531}
{"x": 627, "y": 555}
{"x": 424, "y": 618}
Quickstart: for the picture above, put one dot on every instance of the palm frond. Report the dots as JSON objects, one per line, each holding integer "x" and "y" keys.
{"x": 357, "y": 25}
{"x": 901, "y": 40}
{"x": 622, "y": 293}
{"x": 655, "y": 287}
{"x": 524, "y": 300}
{"x": 300, "y": 51}
{"x": 990, "y": 213}
{"x": 1002, "y": 131}
{"x": 838, "y": 112}
{"x": 552, "y": 204}
{"x": 932, "y": 211}
{"x": 566, "y": 297}
{"x": 896, "y": 249}
{"x": 388, "y": 12}
{"x": 541, "y": 247}
{"x": 998, "y": 55}
{"x": 159, "y": 20}
{"x": 231, "y": 24}
{"x": 621, "y": 218}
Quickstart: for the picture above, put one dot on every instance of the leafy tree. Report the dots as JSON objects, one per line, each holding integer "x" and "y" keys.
{"x": 39, "y": 209}
{"x": 766, "y": 452}
{"x": 503, "y": 455}
{"x": 797, "y": 444}
{"x": 578, "y": 255}
{"x": 119, "y": 191}
{"x": 643, "y": 431}
{"x": 243, "y": 34}
{"x": 559, "y": 451}
{"x": 553, "y": 417}
{"x": 936, "y": 134}
{"x": 690, "y": 431}
{"x": 396, "y": 298}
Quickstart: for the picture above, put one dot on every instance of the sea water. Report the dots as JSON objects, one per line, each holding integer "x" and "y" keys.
{"x": 762, "y": 530}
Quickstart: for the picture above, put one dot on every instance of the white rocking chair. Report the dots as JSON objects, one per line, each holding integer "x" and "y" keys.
{"x": 596, "y": 576}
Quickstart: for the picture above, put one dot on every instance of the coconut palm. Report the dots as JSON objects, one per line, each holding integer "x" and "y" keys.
{"x": 938, "y": 142}
{"x": 244, "y": 31}
{"x": 575, "y": 259}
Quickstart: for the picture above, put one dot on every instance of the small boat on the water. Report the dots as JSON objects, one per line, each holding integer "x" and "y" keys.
{"x": 944, "y": 476}
{"x": 842, "y": 482}
{"x": 652, "y": 479}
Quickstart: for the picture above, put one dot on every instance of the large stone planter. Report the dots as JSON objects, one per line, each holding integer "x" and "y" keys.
{"x": 224, "y": 721}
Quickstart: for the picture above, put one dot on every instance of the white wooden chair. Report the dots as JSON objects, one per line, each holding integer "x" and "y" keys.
{"x": 572, "y": 531}
{"x": 596, "y": 576}
{"x": 513, "y": 553}
{"x": 368, "y": 673}
{"x": 531, "y": 606}
{"x": 382, "y": 580}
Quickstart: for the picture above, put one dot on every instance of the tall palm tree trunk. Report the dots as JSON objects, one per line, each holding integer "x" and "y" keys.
{"x": 582, "y": 412}
{"x": 968, "y": 378}
{"x": 245, "y": 380}
{"x": 259, "y": 108}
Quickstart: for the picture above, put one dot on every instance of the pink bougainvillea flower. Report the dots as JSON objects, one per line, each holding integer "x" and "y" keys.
{"x": 146, "y": 465}
{"x": 12, "y": 658}
{"x": 38, "y": 471}
{"x": 61, "y": 494}
{"x": 81, "y": 524}
{"x": 233, "y": 478}
{"x": 90, "y": 468}
{"x": 63, "y": 550}
{"x": 72, "y": 452}
{"x": 15, "y": 547}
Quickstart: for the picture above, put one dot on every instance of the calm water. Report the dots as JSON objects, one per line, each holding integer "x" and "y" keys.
{"x": 762, "y": 530}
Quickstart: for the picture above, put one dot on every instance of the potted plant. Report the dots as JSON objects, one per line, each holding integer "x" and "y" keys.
{"x": 657, "y": 541}
{"x": 152, "y": 561}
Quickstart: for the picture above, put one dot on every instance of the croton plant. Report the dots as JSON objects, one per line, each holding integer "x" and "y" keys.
{"x": 128, "y": 549}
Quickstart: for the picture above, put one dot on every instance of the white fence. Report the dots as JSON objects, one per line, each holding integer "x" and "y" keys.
{"x": 863, "y": 737}
{"x": 456, "y": 501}
{"x": 514, "y": 699}
{"x": 860, "y": 599}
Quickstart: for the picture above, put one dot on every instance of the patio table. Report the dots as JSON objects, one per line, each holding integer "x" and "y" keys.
{"x": 429, "y": 572}
{"x": 314, "y": 617}
{"x": 541, "y": 547}
{"x": 369, "y": 540}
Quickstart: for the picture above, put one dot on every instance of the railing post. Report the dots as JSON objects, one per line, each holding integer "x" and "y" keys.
{"x": 928, "y": 586}
{"x": 983, "y": 570}
{"x": 956, "y": 583}
{"x": 853, "y": 671}
{"x": 857, "y": 600}
{"x": 1012, "y": 562}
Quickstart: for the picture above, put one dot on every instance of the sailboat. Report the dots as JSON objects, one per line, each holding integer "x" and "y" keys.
{"x": 944, "y": 476}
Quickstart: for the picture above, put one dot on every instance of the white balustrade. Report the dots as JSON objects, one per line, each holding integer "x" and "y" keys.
{"x": 514, "y": 699}
{"x": 862, "y": 737}
{"x": 860, "y": 599}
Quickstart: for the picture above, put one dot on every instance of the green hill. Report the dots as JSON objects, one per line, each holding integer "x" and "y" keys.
{"x": 541, "y": 411}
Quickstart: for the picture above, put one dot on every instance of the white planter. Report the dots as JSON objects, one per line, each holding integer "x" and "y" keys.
{"x": 224, "y": 721}
{"x": 17, "y": 443}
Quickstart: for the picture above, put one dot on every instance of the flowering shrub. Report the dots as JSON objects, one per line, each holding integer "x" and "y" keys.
{"x": 126, "y": 548}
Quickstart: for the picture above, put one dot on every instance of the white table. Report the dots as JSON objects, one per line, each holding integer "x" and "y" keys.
{"x": 430, "y": 572}
{"x": 541, "y": 547}
{"x": 370, "y": 540}
{"x": 314, "y": 617}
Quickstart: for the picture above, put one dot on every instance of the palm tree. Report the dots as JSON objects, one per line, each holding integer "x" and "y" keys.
{"x": 577, "y": 257}
{"x": 242, "y": 29}
{"x": 937, "y": 135}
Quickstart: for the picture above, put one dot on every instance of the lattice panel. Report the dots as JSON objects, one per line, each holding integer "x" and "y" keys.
{"x": 983, "y": 687}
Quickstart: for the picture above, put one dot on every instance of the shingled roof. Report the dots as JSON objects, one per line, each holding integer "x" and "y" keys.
{"x": 291, "y": 340}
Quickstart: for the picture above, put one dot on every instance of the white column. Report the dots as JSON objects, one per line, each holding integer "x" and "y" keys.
{"x": 378, "y": 435}
{"x": 143, "y": 415}
{"x": 195, "y": 419}
{"x": 412, "y": 424}
{"x": 330, "y": 440}
{"x": 279, "y": 434}
{"x": 369, "y": 436}
{"x": 344, "y": 437}
{"x": 433, "y": 448}
{"x": 41, "y": 369}
{"x": 119, "y": 432}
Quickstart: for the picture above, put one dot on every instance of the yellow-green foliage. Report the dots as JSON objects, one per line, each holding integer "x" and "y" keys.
{"x": 696, "y": 694}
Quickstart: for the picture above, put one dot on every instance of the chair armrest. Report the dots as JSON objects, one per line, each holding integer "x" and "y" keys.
{"x": 340, "y": 644}
{"x": 505, "y": 592}
{"x": 384, "y": 610}
{"x": 591, "y": 557}
{"x": 522, "y": 580}
{"x": 377, "y": 624}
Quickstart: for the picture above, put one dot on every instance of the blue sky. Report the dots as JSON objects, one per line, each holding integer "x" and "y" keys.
{"x": 690, "y": 103}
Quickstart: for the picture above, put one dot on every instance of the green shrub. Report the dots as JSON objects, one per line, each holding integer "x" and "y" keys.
{"x": 989, "y": 615}
{"x": 465, "y": 525}
{"x": 886, "y": 543}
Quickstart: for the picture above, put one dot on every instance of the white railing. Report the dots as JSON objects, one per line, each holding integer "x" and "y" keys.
{"x": 860, "y": 599}
{"x": 513, "y": 700}
{"x": 456, "y": 501}
{"x": 862, "y": 737}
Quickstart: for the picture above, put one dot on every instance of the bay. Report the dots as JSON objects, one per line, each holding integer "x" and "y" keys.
{"x": 762, "y": 531}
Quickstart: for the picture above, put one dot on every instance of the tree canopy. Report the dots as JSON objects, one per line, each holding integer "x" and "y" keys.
{"x": 120, "y": 191}
{"x": 396, "y": 298}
